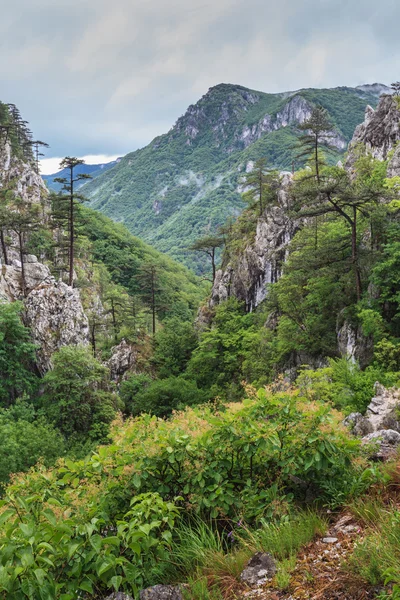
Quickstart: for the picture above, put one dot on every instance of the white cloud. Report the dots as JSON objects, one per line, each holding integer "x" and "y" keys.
{"x": 93, "y": 76}
{"x": 48, "y": 166}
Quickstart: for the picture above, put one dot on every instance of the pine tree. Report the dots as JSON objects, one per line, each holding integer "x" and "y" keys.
{"x": 262, "y": 184}
{"x": 68, "y": 202}
{"x": 208, "y": 245}
{"x": 317, "y": 132}
{"x": 396, "y": 88}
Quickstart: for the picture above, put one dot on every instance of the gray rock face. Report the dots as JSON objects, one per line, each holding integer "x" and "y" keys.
{"x": 393, "y": 169}
{"x": 10, "y": 278}
{"x": 296, "y": 111}
{"x": 162, "y": 592}
{"x": 56, "y": 318}
{"x": 381, "y": 423}
{"x": 123, "y": 359}
{"x": 382, "y": 412}
{"x": 384, "y": 443}
{"x": 30, "y": 187}
{"x": 359, "y": 425}
{"x": 380, "y": 131}
{"x": 261, "y": 262}
{"x": 259, "y": 569}
{"x": 353, "y": 345}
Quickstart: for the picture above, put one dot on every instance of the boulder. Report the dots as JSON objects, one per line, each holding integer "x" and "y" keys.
{"x": 55, "y": 315}
{"x": 359, "y": 425}
{"x": 123, "y": 359}
{"x": 385, "y": 443}
{"x": 259, "y": 569}
{"x": 162, "y": 592}
{"x": 382, "y": 412}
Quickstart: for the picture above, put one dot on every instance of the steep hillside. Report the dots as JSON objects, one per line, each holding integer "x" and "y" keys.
{"x": 185, "y": 183}
{"x": 92, "y": 170}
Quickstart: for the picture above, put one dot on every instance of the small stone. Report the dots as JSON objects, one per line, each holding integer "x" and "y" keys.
{"x": 162, "y": 592}
{"x": 329, "y": 540}
{"x": 259, "y": 568}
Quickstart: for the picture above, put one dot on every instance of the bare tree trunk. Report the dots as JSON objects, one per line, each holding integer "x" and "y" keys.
{"x": 3, "y": 247}
{"x": 354, "y": 254}
{"x": 21, "y": 257}
{"x": 213, "y": 265}
{"x": 153, "y": 301}
{"x": 71, "y": 232}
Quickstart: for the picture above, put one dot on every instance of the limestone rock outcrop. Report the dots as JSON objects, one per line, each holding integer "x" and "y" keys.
{"x": 55, "y": 315}
{"x": 380, "y": 425}
{"x": 261, "y": 261}
{"x": 379, "y": 132}
{"x": 354, "y": 345}
{"x": 29, "y": 186}
{"x": 123, "y": 360}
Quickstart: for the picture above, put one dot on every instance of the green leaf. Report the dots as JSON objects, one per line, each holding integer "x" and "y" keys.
{"x": 86, "y": 586}
{"x": 115, "y": 582}
{"x": 40, "y": 576}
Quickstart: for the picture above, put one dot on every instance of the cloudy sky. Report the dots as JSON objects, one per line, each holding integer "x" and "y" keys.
{"x": 101, "y": 77}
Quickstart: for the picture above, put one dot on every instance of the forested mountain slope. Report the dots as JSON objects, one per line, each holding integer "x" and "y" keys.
{"x": 92, "y": 170}
{"x": 184, "y": 184}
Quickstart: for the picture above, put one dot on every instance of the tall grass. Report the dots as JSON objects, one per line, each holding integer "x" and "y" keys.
{"x": 284, "y": 539}
{"x": 211, "y": 562}
{"x": 377, "y": 557}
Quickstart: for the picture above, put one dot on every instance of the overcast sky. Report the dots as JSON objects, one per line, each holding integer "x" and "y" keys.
{"x": 104, "y": 77}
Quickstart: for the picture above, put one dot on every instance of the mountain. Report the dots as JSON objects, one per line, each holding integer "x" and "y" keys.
{"x": 92, "y": 170}
{"x": 185, "y": 183}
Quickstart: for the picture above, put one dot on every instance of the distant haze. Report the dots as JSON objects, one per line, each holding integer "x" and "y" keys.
{"x": 97, "y": 77}
{"x": 49, "y": 166}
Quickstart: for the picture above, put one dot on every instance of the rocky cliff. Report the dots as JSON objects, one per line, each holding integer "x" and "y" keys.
{"x": 53, "y": 310}
{"x": 184, "y": 184}
{"x": 260, "y": 263}
{"x": 380, "y": 131}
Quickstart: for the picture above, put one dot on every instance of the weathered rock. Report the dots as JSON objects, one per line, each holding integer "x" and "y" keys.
{"x": 393, "y": 169}
{"x": 382, "y": 412}
{"x": 11, "y": 279}
{"x": 354, "y": 345}
{"x": 329, "y": 540}
{"x": 119, "y": 596}
{"x": 261, "y": 262}
{"x": 359, "y": 425}
{"x": 379, "y": 132}
{"x": 123, "y": 359}
{"x": 385, "y": 443}
{"x": 56, "y": 318}
{"x": 259, "y": 569}
{"x": 162, "y": 592}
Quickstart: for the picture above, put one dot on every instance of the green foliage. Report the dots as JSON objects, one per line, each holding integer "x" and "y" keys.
{"x": 342, "y": 383}
{"x": 377, "y": 557}
{"x": 162, "y": 396}
{"x": 217, "y": 360}
{"x": 180, "y": 188}
{"x": 285, "y": 538}
{"x": 61, "y": 558}
{"x": 174, "y": 344}
{"x": 17, "y": 355}
{"x": 24, "y": 440}
{"x": 123, "y": 255}
{"x": 76, "y": 397}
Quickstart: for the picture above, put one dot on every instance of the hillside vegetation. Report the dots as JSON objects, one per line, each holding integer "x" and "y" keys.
{"x": 226, "y": 433}
{"x": 184, "y": 184}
